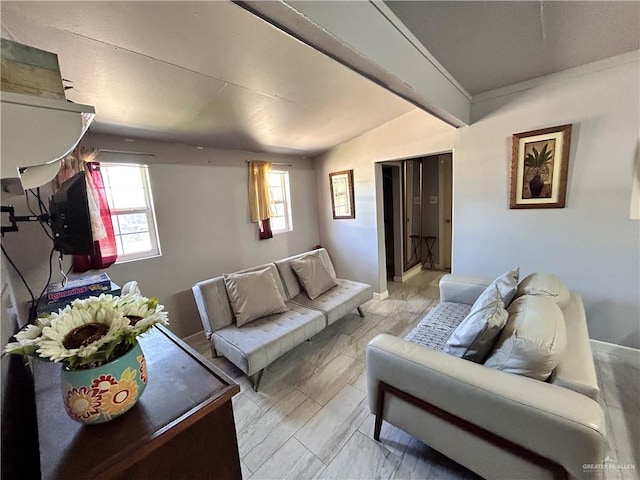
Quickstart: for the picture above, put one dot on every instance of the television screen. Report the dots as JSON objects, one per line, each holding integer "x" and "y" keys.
{"x": 70, "y": 220}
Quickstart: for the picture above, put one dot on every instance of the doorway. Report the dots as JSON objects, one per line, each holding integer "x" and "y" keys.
{"x": 417, "y": 207}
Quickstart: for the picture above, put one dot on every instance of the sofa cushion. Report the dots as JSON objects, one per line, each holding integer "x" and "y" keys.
{"x": 253, "y": 295}
{"x": 533, "y": 340}
{"x": 313, "y": 275}
{"x": 507, "y": 284}
{"x": 338, "y": 301}
{"x": 545, "y": 284}
{"x": 476, "y": 334}
{"x": 436, "y": 327}
{"x": 262, "y": 341}
{"x": 576, "y": 370}
{"x": 289, "y": 277}
{"x": 213, "y": 304}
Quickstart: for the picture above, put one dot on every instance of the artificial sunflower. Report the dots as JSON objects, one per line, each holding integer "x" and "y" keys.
{"x": 82, "y": 336}
{"x": 89, "y": 332}
{"x": 142, "y": 313}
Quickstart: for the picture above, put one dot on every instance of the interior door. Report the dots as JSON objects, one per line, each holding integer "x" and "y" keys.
{"x": 446, "y": 166}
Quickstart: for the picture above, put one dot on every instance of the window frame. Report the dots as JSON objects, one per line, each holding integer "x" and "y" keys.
{"x": 286, "y": 200}
{"x": 149, "y": 211}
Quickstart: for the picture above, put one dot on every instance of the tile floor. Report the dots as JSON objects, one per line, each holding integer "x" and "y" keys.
{"x": 311, "y": 419}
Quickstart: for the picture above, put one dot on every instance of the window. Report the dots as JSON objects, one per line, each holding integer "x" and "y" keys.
{"x": 281, "y": 197}
{"x": 134, "y": 220}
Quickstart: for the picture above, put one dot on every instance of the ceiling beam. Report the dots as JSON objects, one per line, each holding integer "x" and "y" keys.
{"x": 368, "y": 38}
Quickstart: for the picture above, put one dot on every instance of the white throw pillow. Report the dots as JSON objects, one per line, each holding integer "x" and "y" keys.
{"x": 533, "y": 340}
{"x": 476, "y": 334}
{"x": 545, "y": 284}
{"x": 313, "y": 275}
{"x": 507, "y": 284}
{"x": 253, "y": 295}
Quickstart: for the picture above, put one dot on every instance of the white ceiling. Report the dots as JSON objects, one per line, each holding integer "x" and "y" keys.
{"x": 212, "y": 74}
{"x": 487, "y": 44}
{"x": 201, "y": 73}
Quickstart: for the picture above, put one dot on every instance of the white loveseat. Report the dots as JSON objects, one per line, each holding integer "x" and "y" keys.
{"x": 497, "y": 424}
{"x": 255, "y": 345}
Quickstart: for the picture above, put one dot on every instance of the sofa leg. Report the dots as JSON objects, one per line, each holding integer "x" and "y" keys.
{"x": 256, "y": 383}
{"x": 360, "y": 312}
{"x": 214, "y": 352}
{"x": 379, "y": 407}
{"x": 377, "y": 428}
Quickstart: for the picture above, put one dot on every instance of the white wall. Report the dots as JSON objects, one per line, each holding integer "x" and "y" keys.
{"x": 354, "y": 244}
{"x": 203, "y": 222}
{"x": 591, "y": 243}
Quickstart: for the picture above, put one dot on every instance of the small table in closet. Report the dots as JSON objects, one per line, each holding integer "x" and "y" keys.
{"x": 430, "y": 241}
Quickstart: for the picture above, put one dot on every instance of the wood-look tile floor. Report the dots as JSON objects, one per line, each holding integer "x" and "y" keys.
{"x": 310, "y": 419}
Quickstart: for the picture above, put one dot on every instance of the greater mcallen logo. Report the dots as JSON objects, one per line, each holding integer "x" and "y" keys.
{"x": 609, "y": 463}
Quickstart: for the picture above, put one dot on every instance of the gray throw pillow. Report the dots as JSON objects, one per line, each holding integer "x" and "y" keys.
{"x": 253, "y": 295}
{"x": 473, "y": 339}
{"x": 507, "y": 284}
{"x": 313, "y": 275}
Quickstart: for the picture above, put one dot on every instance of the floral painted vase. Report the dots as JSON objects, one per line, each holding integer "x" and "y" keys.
{"x": 100, "y": 394}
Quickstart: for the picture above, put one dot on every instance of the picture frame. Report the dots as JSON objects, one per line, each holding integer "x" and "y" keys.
{"x": 342, "y": 197}
{"x": 539, "y": 168}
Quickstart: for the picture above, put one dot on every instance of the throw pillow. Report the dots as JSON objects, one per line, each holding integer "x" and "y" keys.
{"x": 507, "y": 284}
{"x": 253, "y": 295}
{"x": 476, "y": 334}
{"x": 533, "y": 340}
{"x": 545, "y": 284}
{"x": 313, "y": 275}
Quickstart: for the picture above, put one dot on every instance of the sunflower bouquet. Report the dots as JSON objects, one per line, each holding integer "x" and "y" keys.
{"x": 89, "y": 332}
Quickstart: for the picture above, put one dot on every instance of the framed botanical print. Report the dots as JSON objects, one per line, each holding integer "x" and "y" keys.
{"x": 539, "y": 168}
{"x": 342, "y": 198}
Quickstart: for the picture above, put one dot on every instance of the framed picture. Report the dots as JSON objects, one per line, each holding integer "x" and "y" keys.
{"x": 342, "y": 200}
{"x": 539, "y": 166}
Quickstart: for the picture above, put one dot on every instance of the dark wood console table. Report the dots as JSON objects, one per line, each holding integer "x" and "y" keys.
{"x": 182, "y": 426}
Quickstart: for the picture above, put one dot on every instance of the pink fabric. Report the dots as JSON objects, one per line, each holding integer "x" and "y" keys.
{"x": 264, "y": 229}
{"x": 105, "y": 251}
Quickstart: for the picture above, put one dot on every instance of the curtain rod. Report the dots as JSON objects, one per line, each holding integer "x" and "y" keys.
{"x": 275, "y": 163}
{"x": 126, "y": 152}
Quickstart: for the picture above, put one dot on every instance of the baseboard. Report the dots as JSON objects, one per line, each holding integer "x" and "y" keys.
{"x": 415, "y": 270}
{"x": 380, "y": 296}
{"x": 619, "y": 350}
{"x": 194, "y": 336}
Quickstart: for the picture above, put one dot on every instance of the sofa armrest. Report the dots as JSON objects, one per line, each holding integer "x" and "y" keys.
{"x": 462, "y": 289}
{"x": 552, "y": 421}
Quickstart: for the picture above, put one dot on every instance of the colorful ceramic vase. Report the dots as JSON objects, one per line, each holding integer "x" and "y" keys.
{"x": 100, "y": 394}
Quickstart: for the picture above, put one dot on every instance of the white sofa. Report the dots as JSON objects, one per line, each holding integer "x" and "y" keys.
{"x": 497, "y": 424}
{"x": 255, "y": 345}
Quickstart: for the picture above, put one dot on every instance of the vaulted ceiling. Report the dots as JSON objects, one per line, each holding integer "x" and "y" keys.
{"x": 213, "y": 74}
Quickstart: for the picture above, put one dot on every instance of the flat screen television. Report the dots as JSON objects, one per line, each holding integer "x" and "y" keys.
{"x": 69, "y": 217}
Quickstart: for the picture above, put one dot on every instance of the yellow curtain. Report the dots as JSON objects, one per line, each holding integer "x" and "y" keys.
{"x": 260, "y": 203}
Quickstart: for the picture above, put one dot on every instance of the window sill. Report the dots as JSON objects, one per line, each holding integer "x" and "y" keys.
{"x": 136, "y": 259}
